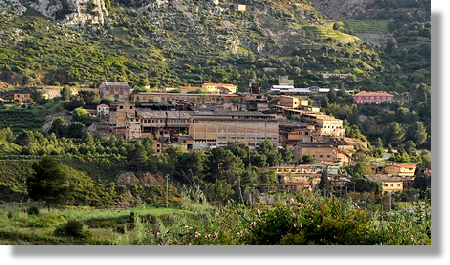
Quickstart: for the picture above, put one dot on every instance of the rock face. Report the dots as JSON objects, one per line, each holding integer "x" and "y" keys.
{"x": 342, "y": 9}
{"x": 127, "y": 178}
{"x": 142, "y": 178}
{"x": 70, "y": 12}
{"x": 148, "y": 178}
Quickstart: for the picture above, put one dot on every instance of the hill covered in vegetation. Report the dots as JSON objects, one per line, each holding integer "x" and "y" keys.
{"x": 186, "y": 42}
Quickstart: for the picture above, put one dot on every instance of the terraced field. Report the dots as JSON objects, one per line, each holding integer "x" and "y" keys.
{"x": 367, "y": 26}
{"x": 327, "y": 31}
{"x": 18, "y": 120}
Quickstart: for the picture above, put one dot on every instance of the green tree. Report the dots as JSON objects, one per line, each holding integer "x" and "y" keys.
{"x": 324, "y": 185}
{"x": 49, "y": 183}
{"x": 358, "y": 169}
{"x": 286, "y": 155}
{"x": 76, "y": 130}
{"x": 324, "y": 102}
{"x": 58, "y": 127}
{"x": 137, "y": 156}
{"x": 417, "y": 133}
{"x": 270, "y": 150}
{"x": 390, "y": 148}
{"x": 149, "y": 145}
{"x": 223, "y": 165}
{"x": 25, "y": 138}
{"x": 332, "y": 95}
{"x": 426, "y": 159}
{"x": 66, "y": 93}
{"x": 79, "y": 114}
{"x": 394, "y": 133}
{"x": 89, "y": 99}
{"x": 7, "y": 135}
{"x": 308, "y": 159}
{"x": 379, "y": 143}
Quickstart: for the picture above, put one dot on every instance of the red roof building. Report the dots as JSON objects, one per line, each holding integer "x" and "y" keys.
{"x": 373, "y": 97}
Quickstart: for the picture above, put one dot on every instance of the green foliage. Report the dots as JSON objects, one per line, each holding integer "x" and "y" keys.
{"x": 73, "y": 229}
{"x": 394, "y": 133}
{"x": 49, "y": 183}
{"x": 79, "y": 114}
{"x": 33, "y": 210}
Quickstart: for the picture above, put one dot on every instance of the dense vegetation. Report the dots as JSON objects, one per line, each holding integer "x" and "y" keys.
{"x": 160, "y": 46}
{"x": 301, "y": 219}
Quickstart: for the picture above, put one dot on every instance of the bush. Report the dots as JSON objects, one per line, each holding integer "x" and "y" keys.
{"x": 33, "y": 210}
{"x": 72, "y": 228}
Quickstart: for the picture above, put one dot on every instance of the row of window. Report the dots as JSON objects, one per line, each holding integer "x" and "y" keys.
{"x": 392, "y": 185}
{"x": 373, "y": 98}
{"x": 164, "y": 120}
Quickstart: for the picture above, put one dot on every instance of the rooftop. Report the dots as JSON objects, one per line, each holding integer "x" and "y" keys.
{"x": 379, "y": 93}
{"x": 157, "y": 114}
{"x": 217, "y": 84}
{"x": 114, "y": 84}
{"x": 403, "y": 165}
{"x": 384, "y": 178}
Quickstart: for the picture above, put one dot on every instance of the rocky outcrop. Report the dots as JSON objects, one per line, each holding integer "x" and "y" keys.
{"x": 142, "y": 178}
{"x": 342, "y": 9}
{"x": 127, "y": 178}
{"x": 148, "y": 178}
{"x": 70, "y": 12}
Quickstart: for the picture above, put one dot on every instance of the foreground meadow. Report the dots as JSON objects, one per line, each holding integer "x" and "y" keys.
{"x": 300, "y": 220}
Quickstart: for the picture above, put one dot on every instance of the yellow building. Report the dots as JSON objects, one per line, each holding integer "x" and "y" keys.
{"x": 119, "y": 112}
{"x": 322, "y": 152}
{"x": 292, "y": 102}
{"x": 216, "y": 88}
{"x": 325, "y": 124}
{"x": 388, "y": 184}
{"x": 401, "y": 169}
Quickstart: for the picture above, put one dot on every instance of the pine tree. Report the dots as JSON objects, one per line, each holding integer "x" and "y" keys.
{"x": 394, "y": 133}
{"x": 417, "y": 133}
{"x": 324, "y": 184}
{"x": 49, "y": 183}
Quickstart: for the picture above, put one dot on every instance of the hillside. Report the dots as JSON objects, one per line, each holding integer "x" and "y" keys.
{"x": 186, "y": 42}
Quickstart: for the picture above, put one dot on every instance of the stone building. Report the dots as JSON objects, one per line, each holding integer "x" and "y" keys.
{"x": 214, "y": 128}
{"x": 322, "y": 152}
{"x": 23, "y": 97}
{"x": 115, "y": 90}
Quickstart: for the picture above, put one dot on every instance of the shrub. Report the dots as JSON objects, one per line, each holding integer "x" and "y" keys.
{"x": 33, "y": 210}
{"x": 72, "y": 228}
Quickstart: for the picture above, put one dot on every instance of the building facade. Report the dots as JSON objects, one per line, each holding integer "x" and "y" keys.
{"x": 372, "y": 97}
{"x": 115, "y": 90}
{"x": 198, "y": 98}
{"x": 322, "y": 152}
{"x": 103, "y": 109}
{"x": 209, "y": 129}
{"x": 401, "y": 169}
{"x": 23, "y": 97}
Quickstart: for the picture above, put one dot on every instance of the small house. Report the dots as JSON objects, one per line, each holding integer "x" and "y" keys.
{"x": 22, "y": 97}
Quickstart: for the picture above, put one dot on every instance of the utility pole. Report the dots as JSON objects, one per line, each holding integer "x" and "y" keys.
{"x": 167, "y": 191}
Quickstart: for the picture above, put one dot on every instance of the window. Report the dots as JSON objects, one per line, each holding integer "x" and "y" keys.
{"x": 398, "y": 185}
{"x": 328, "y": 156}
{"x": 131, "y": 107}
{"x": 392, "y": 185}
{"x": 121, "y": 107}
{"x": 321, "y": 155}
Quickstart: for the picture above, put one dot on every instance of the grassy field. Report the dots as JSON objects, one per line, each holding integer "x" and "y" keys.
{"x": 327, "y": 31}
{"x": 112, "y": 226}
{"x": 367, "y": 26}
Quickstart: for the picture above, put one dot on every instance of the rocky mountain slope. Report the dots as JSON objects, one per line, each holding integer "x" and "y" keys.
{"x": 185, "y": 42}
{"x": 70, "y": 12}
{"x": 343, "y": 9}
